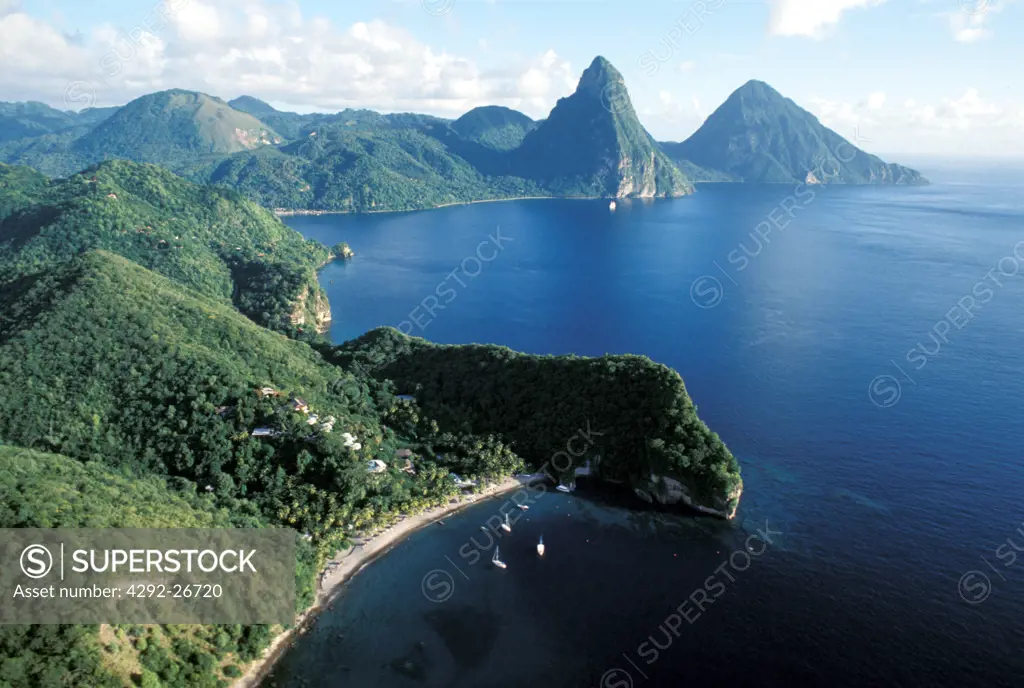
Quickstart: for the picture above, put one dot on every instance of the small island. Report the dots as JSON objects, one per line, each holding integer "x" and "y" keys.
{"x": 343, "y": 251}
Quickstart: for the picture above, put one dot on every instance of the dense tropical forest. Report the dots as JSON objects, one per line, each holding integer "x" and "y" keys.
{"x": 40, "y": 490}
{"x": 211, "y": 240}
{"x": 643, "y": 421}
{"x": 156, "y": 386}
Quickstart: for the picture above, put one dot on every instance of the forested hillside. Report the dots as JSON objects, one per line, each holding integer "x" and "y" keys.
{"x": 211, "y": 240}
{"x": 338, "y": 169}
{"x": 39, "y": 490}
{"x": 646, "y": 421}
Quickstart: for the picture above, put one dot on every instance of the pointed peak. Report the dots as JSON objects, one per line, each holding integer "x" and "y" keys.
{"x": 598, "y": 75}
{"x": 757, "y": 89}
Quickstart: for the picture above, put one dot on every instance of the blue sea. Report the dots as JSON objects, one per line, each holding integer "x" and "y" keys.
{"x": 860, "y": 350}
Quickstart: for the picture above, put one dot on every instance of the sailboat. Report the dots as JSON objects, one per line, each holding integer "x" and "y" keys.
{"x": 611, "y": 206}
{"x": 496, "y": 560}
{"x": 506, "y": 526}
{"x": 540, "y": 546}
{"x": 523, "y": 507}
{"x": 563, "y": 488}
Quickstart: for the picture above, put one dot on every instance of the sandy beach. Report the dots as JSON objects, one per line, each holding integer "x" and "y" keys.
{"x": 352, "y": 561}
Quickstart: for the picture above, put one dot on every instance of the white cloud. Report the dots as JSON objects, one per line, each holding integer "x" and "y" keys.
{"x": 197, "y": 21}
{"x": 966, "y": 123}
{"x": 687, "y": 66}
{"x": 970, "y": 22}
{"x": 961, "y": 114}
{"x": 269, "y": 50}
{"x": 673, "y": 119}
{"x": 810, "y": 17}
{"x": 968, "y": 28}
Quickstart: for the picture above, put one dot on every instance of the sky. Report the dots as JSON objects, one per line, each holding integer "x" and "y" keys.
{"x": 918, "y": 77}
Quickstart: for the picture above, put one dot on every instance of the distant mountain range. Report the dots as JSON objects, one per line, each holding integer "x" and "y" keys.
{"x": 592, "y": 144}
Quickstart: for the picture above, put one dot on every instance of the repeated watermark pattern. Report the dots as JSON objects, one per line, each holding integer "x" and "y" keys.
{"x": 438, "y": 585}
{"x": 975, "y": 586}
{"x": 975, "y": 7}
{"x": 615, "y": 98}
{"x": 81, "y": 93}
{"x": 886, "y": 390}
{"x": 687, "y": 24}
{"x": 470, "y": 267}
{"x": 690, "y": 610}
{"x": 437, "y": 7}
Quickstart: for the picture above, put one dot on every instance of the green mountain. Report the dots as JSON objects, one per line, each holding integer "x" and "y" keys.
{"x": 758, "y": 135}
{"x": 593, "y": 144}
{"x": 21, "y": 120}
{"x": 165, "y": 128}
{"x": 498, "y": 128}
{"x": 335, "y": 168}
{"x": 211, "y": 240}
{"x": 32, "y": 119}
{"x": 170, "y": 125}
{"x": 287, "y": 124}
{"x": 253, "y": 106}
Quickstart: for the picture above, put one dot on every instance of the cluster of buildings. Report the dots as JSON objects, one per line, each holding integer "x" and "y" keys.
{"x": 403, "y": 457}
{"x": 299, "y": 405}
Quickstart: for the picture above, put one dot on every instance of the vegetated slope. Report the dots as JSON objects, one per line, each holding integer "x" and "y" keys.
{"x": 19, "y": 187}
{"x": 646, "y": 421}
{"x": 338, "y": 169}
{"x": 167, "y": 128}
{"x": 170, "y": 125}
{"x": 39, "y": 490}
{"x": 102, "y": 359}
{"x": 495, "y": 127}
{"x": 211, "y": 240}
{"x": 32, "y": 119}
{"x": 758, "y": 135}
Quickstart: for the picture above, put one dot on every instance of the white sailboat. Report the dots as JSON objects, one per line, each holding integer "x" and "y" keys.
{"x": 496, "y": 560}
{"x": 540, "y": 546}
{"x": 523, "y": 507}
{"x": 506, "y": 526}
{"x": 611, "y": 206}
{"x": 563, "y": 488}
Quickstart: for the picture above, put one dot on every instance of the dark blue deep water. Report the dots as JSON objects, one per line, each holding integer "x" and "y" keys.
{"x": 866, "y": 365}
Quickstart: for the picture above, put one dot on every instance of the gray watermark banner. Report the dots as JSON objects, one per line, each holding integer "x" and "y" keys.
{"x": 147, "y": 575}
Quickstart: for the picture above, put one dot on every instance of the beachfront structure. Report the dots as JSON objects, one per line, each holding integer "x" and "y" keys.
{"x": 461, "y": 482}
{"x": 376, "y": 466}
{"x": 268, "y": 392}
{"x": 264, "y": 432}
{"x": 300, "y": 406}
